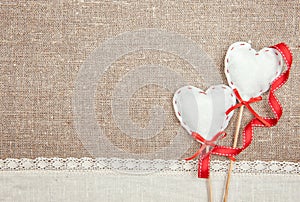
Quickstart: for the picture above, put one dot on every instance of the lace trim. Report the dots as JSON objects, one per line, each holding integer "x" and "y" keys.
{"x": 142, "y": 166}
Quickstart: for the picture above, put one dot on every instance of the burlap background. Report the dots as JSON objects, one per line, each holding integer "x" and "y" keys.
{"x": 43, "y": 44}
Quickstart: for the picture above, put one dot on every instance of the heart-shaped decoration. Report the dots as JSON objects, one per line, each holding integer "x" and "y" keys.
{"x": 249, "y": 71}
{"x": 204, "y": 112}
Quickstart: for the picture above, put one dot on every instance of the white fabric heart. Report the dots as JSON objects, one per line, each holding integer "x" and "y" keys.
{"x": 204, "y": 112}
{"x": 249, "y": 71}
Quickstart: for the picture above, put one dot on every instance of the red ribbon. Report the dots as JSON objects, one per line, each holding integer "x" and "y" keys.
{"x": 247, "y": 104}
{"x": 204, "y": 165}
{"x": 205, "y": 143}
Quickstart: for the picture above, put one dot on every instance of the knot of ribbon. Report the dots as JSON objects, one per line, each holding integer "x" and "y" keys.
{"x": 247, "y": 104}
{"x": 204, "y": 159}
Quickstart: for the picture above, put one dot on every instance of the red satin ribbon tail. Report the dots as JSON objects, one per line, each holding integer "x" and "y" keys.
{"x": 261, "y": 119}
{"x": 203, "y": 146}
{"x": 233, "y": 108}
{"x": 275, "y": 107}
{"x": 204, "y": 166}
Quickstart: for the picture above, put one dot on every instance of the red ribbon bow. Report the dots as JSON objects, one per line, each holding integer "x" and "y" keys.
{"x": 247, "y": 104}
{"x": 205, "y": 143}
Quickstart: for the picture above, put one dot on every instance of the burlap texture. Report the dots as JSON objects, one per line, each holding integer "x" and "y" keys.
{"x": 44, "y": 43}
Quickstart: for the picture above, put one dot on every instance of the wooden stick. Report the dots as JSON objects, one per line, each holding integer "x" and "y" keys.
{"x": 236, "y": 135}
{"x": 210, "y": 190}
{"x": 210, "y": 195}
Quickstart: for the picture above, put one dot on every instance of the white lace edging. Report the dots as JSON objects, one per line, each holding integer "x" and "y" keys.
{"x": 140, "y": 166}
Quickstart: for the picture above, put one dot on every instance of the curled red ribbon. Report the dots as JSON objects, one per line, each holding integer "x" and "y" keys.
{"x": 257, "y": 121}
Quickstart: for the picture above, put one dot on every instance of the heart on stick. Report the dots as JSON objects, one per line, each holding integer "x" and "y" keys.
{"x": 204, "y": 112}
{"x": 251, "y": 72}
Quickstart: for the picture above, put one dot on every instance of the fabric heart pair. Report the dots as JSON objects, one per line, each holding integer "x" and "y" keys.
{"x": 248, "y": 71}
{"x": 205, "y": 115}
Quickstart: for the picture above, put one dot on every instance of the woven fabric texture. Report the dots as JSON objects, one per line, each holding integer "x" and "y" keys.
{"x": 43, "y": 45}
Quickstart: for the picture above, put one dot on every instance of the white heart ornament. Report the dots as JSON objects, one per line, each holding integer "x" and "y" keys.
{"x": 249, "y": 71}
{"x": 204, "y": 112}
